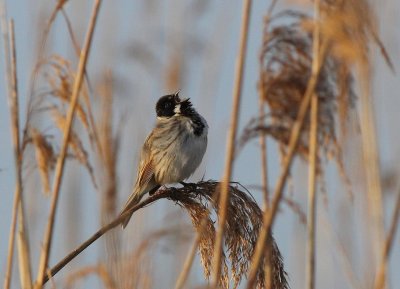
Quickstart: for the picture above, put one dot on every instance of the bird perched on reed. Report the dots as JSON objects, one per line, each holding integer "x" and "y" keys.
{"x": 172, "y": 151}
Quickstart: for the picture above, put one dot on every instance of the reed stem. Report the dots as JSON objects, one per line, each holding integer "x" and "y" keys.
{"x": 59, "y": 171}
{"x": 237, "y": 91}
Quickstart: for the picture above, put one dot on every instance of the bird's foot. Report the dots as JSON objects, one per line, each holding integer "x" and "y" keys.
{"x": 153, "y": 190}
{"x": 190, "y": 185}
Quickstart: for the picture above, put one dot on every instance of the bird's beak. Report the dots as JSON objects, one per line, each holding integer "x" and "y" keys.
{"x": 177, "y": 92}
{"x": 176, "y": 96}
{"x": 184, "y": 100}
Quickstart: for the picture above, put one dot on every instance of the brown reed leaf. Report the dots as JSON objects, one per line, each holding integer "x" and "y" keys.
{"x": 244, "y": 221}
{"x": 54, "y": 99}
{"x": 60, "y": 78}
{"x": 75, "y": 143}
{"x": 45, "y": 157}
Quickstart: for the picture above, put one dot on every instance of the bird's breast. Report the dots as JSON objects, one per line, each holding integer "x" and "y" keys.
{"x": 183, "y": 155}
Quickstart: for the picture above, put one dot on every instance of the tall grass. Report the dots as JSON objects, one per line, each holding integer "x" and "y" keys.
{"x": 314, "y": 75}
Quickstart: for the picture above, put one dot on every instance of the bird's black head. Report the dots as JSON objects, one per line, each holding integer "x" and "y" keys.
{"x": 170, "y": 105}
{"x": 166, "y": 104}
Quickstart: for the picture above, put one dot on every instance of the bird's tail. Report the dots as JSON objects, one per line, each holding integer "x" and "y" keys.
{"x": 134, "y": 199}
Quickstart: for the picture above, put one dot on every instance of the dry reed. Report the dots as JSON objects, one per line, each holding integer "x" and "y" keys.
{"x": 380, "y": 278}
{"x": 108, "y": 153}
{"x": 291, "y": 75}
{"x": 61, "y": 159}
{"x": 180, "y": 282}
{"x": 99, "y": 270}
{"x": 313, "y": 157}
{"x": 242, "y": 227}
{"x": 231, "y": 140}
{"x": 354, "y": 24}
{"x": 263, "y": 153}
{"x": 51, "y": 102}
{"x": 243, "y": 224}
{"x": 287, "y": 56}
{"x": 269, "y": 215}
{"x": 18, "y": 214}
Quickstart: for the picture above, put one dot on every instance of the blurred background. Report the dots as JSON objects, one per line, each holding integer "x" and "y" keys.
{"x": 143, "y": 49}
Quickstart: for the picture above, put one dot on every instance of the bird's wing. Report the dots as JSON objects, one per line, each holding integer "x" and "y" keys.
{"x": 158, "y": 140}
{"x": 146, "y": 166}
{"x": 144, "y": 176}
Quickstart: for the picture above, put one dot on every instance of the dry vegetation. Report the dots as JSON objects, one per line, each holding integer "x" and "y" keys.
{"x": 311, "y": 66}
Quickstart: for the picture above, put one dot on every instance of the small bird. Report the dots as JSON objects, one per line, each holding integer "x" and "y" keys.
{"x": 172, "y": 151}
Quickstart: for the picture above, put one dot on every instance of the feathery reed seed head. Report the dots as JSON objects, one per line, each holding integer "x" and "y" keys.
{"x": 45, "y": 157}
{"x": 243, "y": 225}
{"x": 286, "y": 59}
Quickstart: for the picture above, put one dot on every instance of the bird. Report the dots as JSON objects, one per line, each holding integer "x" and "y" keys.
{"x": 172, "y": 151}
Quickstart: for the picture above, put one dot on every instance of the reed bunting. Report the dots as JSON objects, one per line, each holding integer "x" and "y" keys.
{"x": 172, "y": 151}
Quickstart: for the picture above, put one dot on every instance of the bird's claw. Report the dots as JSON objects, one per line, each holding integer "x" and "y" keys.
{"x": 190, "y": 185}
